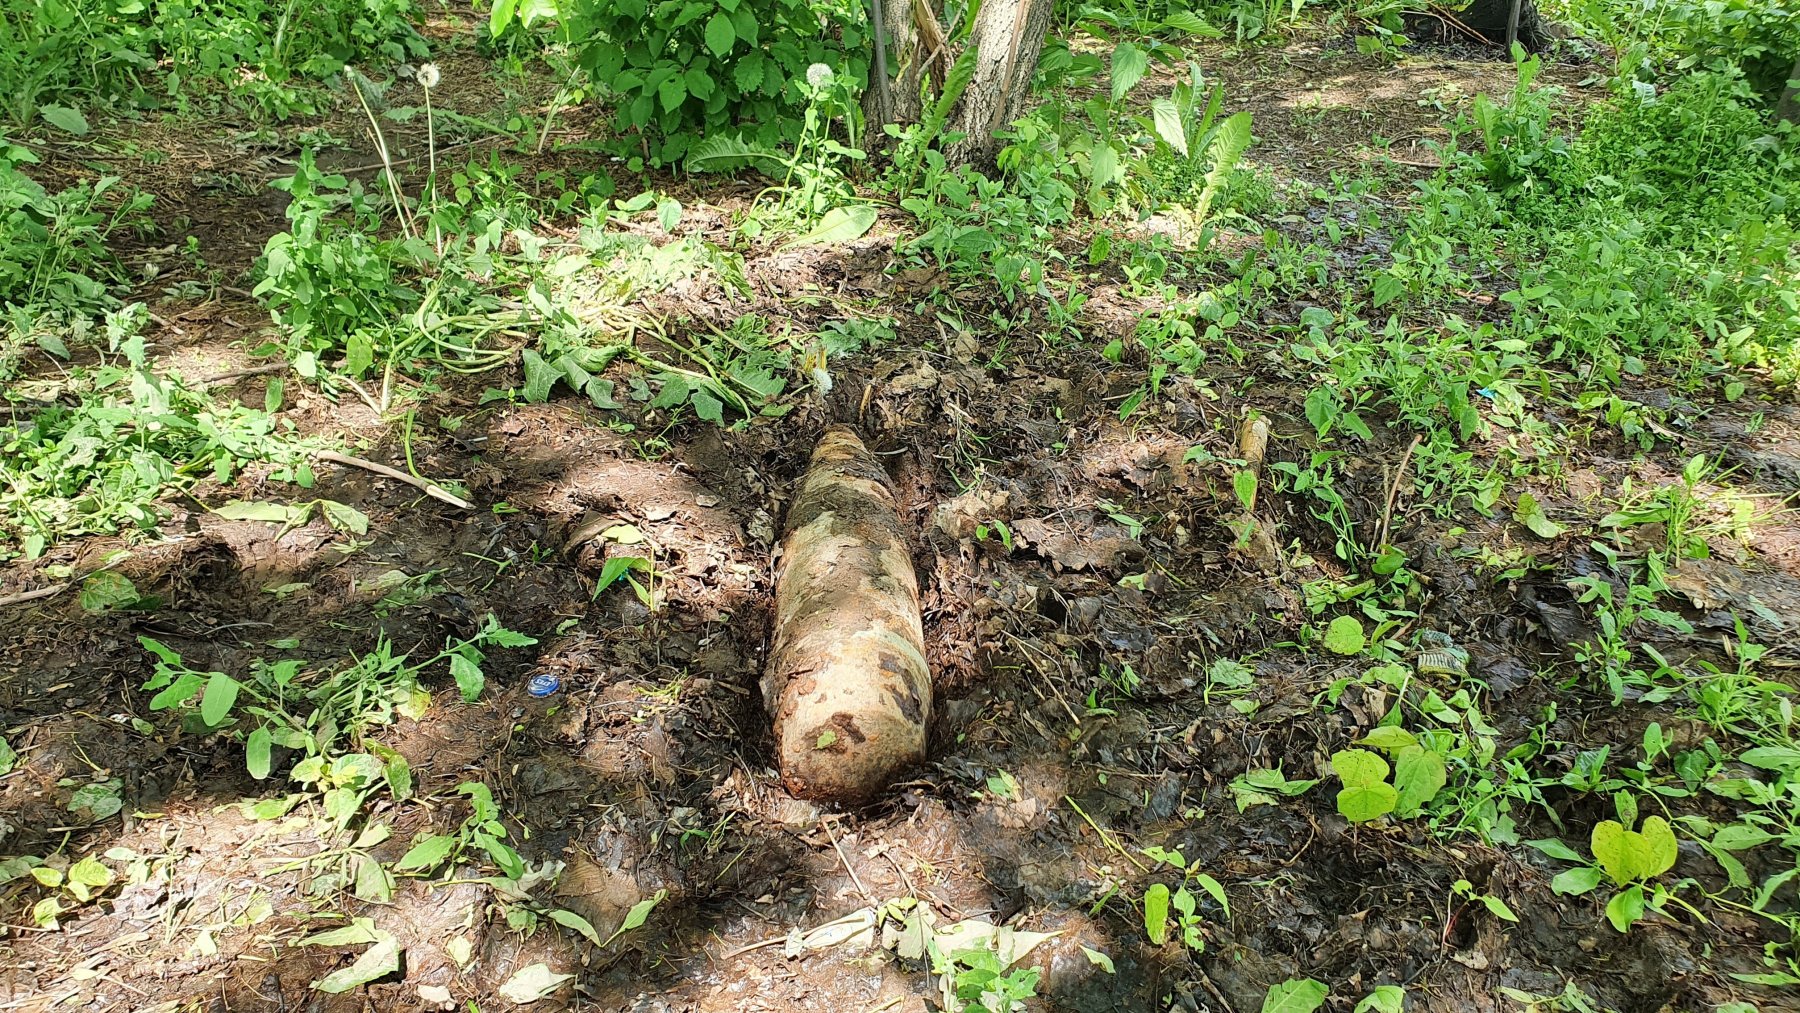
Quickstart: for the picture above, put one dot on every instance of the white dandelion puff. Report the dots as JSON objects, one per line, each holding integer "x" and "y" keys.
{"x": 429, "y": 76}
{"x": 818, "y": 75}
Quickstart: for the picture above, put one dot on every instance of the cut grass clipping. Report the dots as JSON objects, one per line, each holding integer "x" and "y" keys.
{"x": 847, "y": 679}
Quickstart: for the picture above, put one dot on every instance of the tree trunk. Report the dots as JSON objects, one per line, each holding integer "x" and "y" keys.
{"x": 1789, "y": 107}
{"x": 1485, "y": 21}
{"x": 1007, "y": 36}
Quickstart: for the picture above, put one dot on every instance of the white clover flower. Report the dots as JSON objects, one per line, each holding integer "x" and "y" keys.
{"x": 428, "y": 75}
{"x": 818, "y": 75}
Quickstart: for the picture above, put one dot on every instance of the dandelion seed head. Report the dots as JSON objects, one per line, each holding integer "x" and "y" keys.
{"x": 818, "y": 75}
{"x": 428, "y": 75}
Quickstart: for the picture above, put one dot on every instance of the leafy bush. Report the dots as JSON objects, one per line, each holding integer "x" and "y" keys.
{"x": 81, "y": 52}
{"x": 133, "y": 437}
{"x": 53, "y": 253}
{"x": 686, "y": 69}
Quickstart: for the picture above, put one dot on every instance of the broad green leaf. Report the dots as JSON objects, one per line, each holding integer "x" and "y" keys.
{"x": 344, "y": 517}
{"x": 98, "y": 800}
{"x": 839, "y": 225}
{"x": 216, "y": 703}
{"x": 1577, "y": 881}
{"x": 1498, "y": 908}
{"x": 1156, "y": 913}
{"x": 1357, "y": 767}
{"x": 720, "y": 35}
{"x": 1384, "y": 999}
{"x": 570, "y": 919}
{"x": 729, "y": 153}
{"x": 106, "y": 590}
{"x": 273, "y": 513}
{"x": 1531, "y": 514}
{"x": 1193, "y": 24}
{"x": 533, "y": 982}
{"x": 69, "y": 121}
{"x": 1098, "y": 959}
{"x": 256, "y": 752}
{"x": 360, "y": 932}
{"x": 1608, "y": 845}
{"x": 427, "y": 854}
{"x": 467, "y": 674}
{"x": 1302, "y": 996}
{"x": 1362, "y": 803}
{"x": 1782, "y": 758}
{"x": 1626, "y": 907}
{"x": 1215, "y": 890}
{"x": 1129, "y": 63}
{"x": 1418, "y": 775}
{"x": 179, "y": 691}
{"x": 1344, "y": 636}
{"x": 8, "y": 760}
{"x": 90, "y": 873}
{"x": 377, "y": 961}
{"x": 1391, "y": 738}
{"x": 1660, "y": 850}
{"x": 1169, "y": 127}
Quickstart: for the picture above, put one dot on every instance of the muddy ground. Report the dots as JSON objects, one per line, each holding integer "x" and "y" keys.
{"x": 650, "y": 769}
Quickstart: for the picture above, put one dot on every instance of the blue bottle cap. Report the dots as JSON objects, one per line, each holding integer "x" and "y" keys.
{"x": 543, "y": 684}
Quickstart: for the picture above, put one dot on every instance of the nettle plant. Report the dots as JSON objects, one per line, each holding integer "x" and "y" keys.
{"x": 687, "y": 69}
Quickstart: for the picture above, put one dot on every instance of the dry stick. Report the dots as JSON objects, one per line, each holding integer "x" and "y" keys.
{"x": 24, "y": 596}
{"x": 431, "y": 489}
{"x": 860, "y": 888}
{"x": 239, "y": 374}
{"x": 1387, "y": 514}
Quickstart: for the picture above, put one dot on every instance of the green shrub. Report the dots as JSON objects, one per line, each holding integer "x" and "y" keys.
{"x": 681, "y": 70}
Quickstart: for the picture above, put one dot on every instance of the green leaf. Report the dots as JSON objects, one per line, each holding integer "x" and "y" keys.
{"x": 1344, "y": 636}
{"x": 1556, "y": 849}
{"x": 1363, "y": 803}
{"x": 426, "y": 855}
{"x": 730, "y": 152}
{"x": 531, "y": 983}
{"x": 1243, "y": 486}
{"x": 1168, "y": 124}
{"x": 1626, "y": 907}
{"x": 1660, "y": 851}
{"x": 638, "y": 915}
{"x": 1498, "y": 908}
{"x": 839, "y": 225}
{"x": 1384, "y": 999}
{"x": 1098, "y": 959}
{"x": 720, "y": 35}
{"x": 256, "y": 752}
{"x": 501, "y": 16}
{"x": 186, "y": 684}
{"x": 90, "y": 873}
{"x": 1358, "y": 767}
{"x": 1129, "y": 63}
{"x": 106, "y": 590}
{"x": 1577, "y": 881}
{"x": 376, "y": 962}
{"x": 1228, "y": 145}
{"x": 1302, "y": 996}
{"x": 1531, "y": 514}
{"x": 569, "y": 919}
{"x": 360, "y": 932}
{"x": 8, "y": 760}
{"x": 467, "y": 674}
{"x": 215, "y": 704}
{"x": 344, "y": 517}
{"x": 65, "y": 119}
{"x": 1390, "y": 738}
{"x": 1156, "y": 913}
{"x": 273, "y": 513}
{"x": 1419, "y": 775}
{"x": 1193, "y": 24}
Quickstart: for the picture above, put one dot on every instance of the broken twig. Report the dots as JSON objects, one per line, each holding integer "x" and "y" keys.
{"x": 431, "y": 489}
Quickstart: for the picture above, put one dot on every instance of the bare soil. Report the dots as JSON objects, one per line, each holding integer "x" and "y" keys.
{"x": 649, "y": 770}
